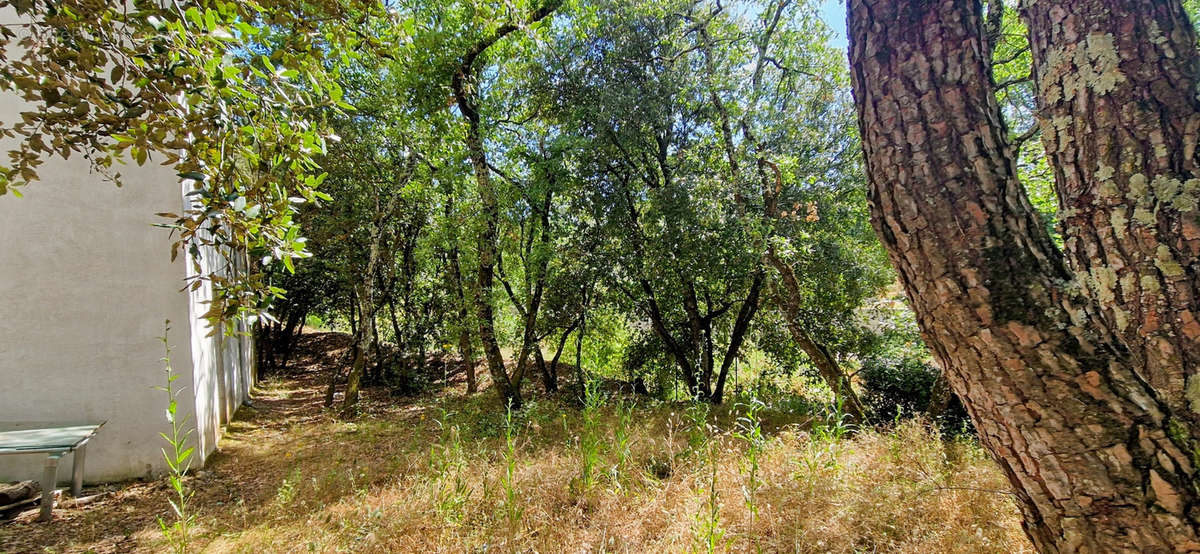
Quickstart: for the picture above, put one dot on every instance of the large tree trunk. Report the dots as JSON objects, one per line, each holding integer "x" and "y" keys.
{"x": 1094, "y": 435}
{"x": 510, "y": 393}
{"x": 1121, "y": 139}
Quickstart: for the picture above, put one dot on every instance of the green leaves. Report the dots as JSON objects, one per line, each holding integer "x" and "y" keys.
{"x": 228, "y": 92}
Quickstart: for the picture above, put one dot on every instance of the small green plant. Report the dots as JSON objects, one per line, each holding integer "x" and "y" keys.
{"x": 178, "y": 457}
{"x": 621, "y": 439}
{"x": 448, "y": 462}
{"x": 708, "y": 534}
{"x": 590, "y": 441}
{"x": 834, "y": 426}
{"x": 287, "y": 489}
{"x": 749, "y": 430}
{"x": 825, "y": 436}
{"x": 513, "y": 511}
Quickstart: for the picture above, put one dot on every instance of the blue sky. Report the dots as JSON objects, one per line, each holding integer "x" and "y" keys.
{"x": 833, "y": 13}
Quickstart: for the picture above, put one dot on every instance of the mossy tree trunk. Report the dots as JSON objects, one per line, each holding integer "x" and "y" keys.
{"x": 1074, "y": 368}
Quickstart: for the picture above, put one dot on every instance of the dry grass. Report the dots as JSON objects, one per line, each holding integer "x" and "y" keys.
{"x": 291, "y": 478}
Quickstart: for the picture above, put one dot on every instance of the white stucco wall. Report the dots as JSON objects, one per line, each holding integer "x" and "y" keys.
{"x": 85, "y": 286}
{"x": 86, "y": 283}
{"x": 222, "y": 372}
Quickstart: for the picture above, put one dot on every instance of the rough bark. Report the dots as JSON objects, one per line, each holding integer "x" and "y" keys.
{"x": 1060, "y": 393}
{"x": 1116, "y": 85}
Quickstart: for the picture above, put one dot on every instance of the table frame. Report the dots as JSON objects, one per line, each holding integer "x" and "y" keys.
{"x": 50, "y": 469}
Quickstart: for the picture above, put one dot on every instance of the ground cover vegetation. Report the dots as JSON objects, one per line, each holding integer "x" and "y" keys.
{"x": 433, "y": 471}
{"x": 554, "y": 231}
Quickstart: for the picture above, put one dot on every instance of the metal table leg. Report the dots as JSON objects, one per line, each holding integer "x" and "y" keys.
{"x": 77, "y": 469}
{"x": 49, "y": 479}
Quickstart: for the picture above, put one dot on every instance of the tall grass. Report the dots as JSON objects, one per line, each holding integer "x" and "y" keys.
{"x": 709, "y": 535}
{"x": 749, "y": 430}
{"x": 622, "y": 437}
{"x": 447, "y": 462}
{"x": 591, "y": 440}
{"x": 513, "y": 507}
{"x": 708, "y": 479}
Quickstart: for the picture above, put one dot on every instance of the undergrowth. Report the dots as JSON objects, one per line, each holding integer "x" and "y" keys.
{"x": 627, "y": 475}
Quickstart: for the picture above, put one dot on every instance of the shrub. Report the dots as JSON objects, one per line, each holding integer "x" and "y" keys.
{"x": 900, "y": 388}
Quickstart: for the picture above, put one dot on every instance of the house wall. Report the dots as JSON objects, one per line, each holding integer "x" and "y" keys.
{"x": 86, "y": 283}
{"x": 221, "y": 364}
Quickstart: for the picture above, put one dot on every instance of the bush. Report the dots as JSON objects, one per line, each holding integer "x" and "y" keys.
{"x": 645, "y": 357}
{"x": 900, "y": 388}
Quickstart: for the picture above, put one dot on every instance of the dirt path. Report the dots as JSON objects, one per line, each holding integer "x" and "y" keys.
{"x": 240, "y": 480}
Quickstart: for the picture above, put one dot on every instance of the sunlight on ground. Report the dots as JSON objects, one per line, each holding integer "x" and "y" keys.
{"x": 432, "y": 473}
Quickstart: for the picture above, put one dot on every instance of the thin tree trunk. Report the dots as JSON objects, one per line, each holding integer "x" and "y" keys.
{"x": 463, "y": 84}
{"x": 828, "y": 367}
{"x": 581, "y": 376}
{"x": 362, "y": 343}
{"x": 267, "y": 345}
{"x": 549, "y": 381}
{"x": 291, "y": 336}
{"x": 741, "y": 325}
{"x": 468, "y": 357}
{"x": 939, "y": 397}
{"x": 1094, "y": 434}
{"x": 529, "y": 339}
{"x": 377, "y": 349}
{"x": 391, "y": 300}
{"x": 455, "y": 282}
{"x": 552, "y": 368}
{"x": 689, "y": 373}
{"x": 331, "y": 388}
{"x": 353, "y": 313}
{"x": 367, "y": 335}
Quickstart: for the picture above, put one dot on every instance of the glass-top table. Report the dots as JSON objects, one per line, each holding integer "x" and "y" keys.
{"x": 56, "y": 440}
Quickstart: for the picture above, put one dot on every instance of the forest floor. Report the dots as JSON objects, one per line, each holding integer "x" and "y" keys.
{"x": 436, "y": 473}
